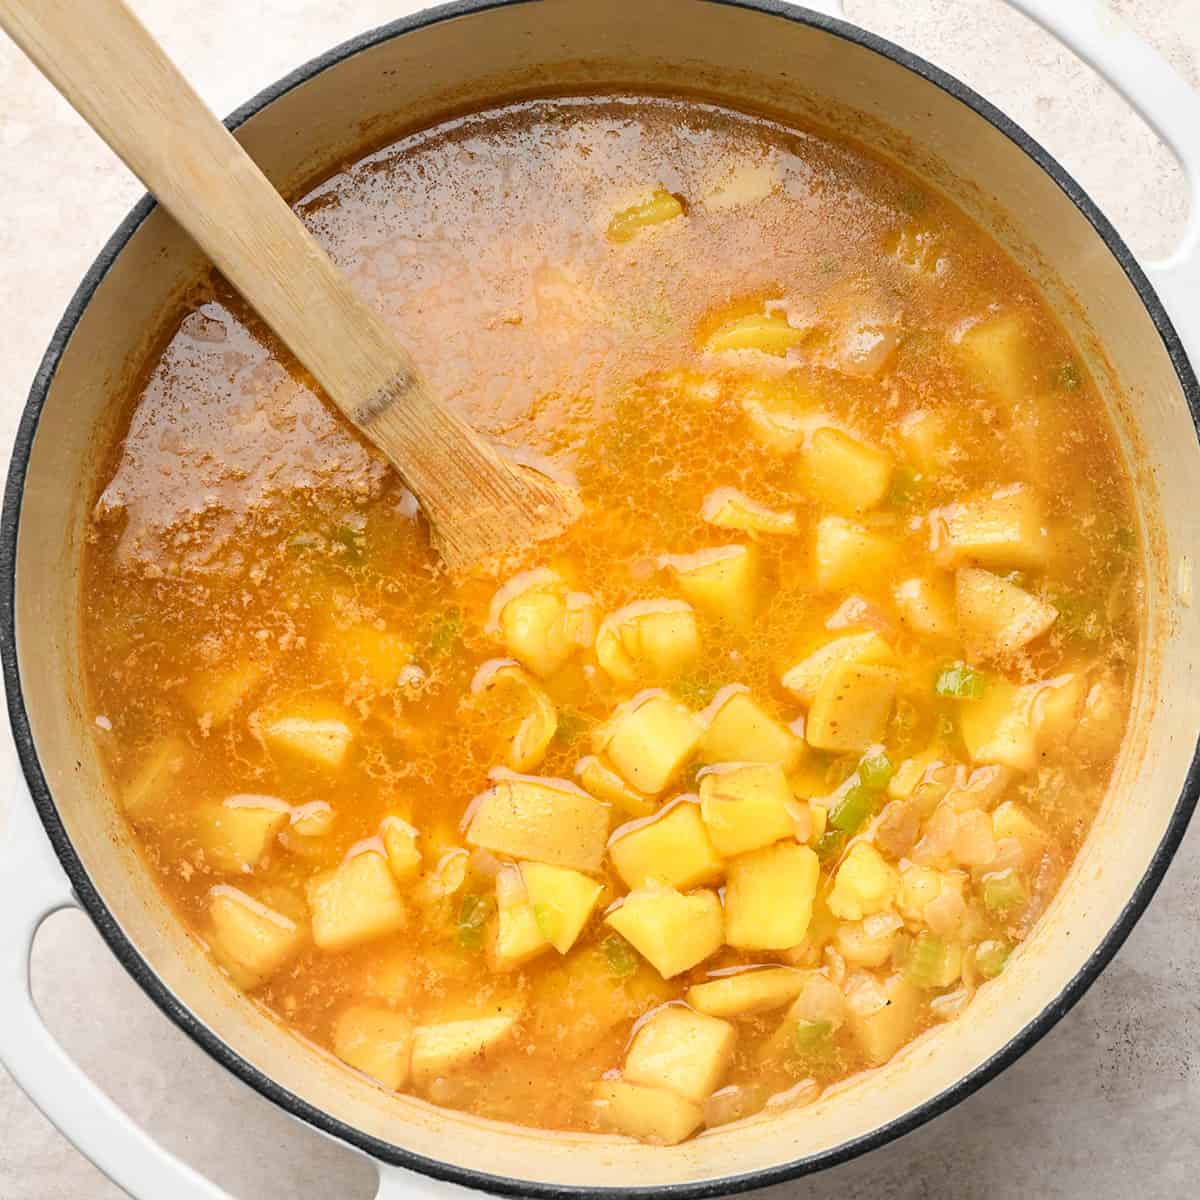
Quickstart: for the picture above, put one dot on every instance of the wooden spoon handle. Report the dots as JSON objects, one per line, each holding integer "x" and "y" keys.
{"x": 105, "y": 63}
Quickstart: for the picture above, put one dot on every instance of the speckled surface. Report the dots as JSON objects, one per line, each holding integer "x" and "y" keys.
{"x": 1108, "y": 1105}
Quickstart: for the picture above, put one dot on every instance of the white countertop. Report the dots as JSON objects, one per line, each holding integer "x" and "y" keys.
{"x": 1106, "y": 1106}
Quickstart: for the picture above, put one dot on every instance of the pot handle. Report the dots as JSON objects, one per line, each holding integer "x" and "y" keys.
{"x": 1169, "y": 105}
{"x": 32, "y": 886}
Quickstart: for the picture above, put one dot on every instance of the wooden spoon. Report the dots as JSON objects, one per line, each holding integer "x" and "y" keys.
{"x": 109, "y": 68}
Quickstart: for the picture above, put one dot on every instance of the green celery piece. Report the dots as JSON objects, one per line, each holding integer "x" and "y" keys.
{"x": 926, "y": 960}
{"x": 990, "y": 957}
{"x": 853, "y": 808}
{"x": 960, "y": 682}
{"x": 620, "y": 956}
{"x": 1003, "y": 890}
{"x": 875, "y": 771}
{"x": 810, "y": 1034}
{"x": 472, "y": 916}
{"x": 830, "y": 845}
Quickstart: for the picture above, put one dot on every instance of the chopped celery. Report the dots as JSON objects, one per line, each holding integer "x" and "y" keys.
{"x": 830, "y": 845}
{"x": 572, "y": 724}
{"x": 990, "y": 957}
{"x": 810, "y": 1034}
{"x": 1003, "y": 890}
{"x": 472, "y": 917}
{"x": 960, "y": 682}
{"x": 852, "y": 809}
{"x": 620, "y": 956}
{"x": 875, "y": 771}
{"x": 927, "y": 961}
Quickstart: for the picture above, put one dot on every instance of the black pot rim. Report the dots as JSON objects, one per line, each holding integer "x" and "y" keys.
{"x": 150, "y": 983}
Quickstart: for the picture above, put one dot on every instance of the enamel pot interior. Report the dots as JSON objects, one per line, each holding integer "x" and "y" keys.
{"x": 747, "y": 56}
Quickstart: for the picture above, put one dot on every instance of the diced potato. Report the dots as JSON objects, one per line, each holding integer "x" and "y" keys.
{"x": 366, "y": 654}
{"x": 865, "y": 347}
{"x": 517, "y": 711}
{"x": 769, "y": 895}
{"x": 648, "y": 739}
{"x": 604, "y": 783}
{"x": 722, "y": 581}
{"x": 921, "y": 886}
{"x": 546, "y": 820}
{"x": 852, "y": 707}
{"x": 562, "y": 901}
{"x": 152, "y": 783}
{"x": 927, "y": 440}
{"x": 673, "y": 932}
{"x": 740, "y": 184}
{"x": 912, "y": 771}
{"x": 237, "y": 834}
{"x": 517, "y": 936}
{"x": 767, "y": 332}
{"x": 1002, "y": 530}
{"x": 214, "y": 696}
{"x": 658, "y": 208}
{"x": 867, "y": 943}
{"x": 355, "y": 902}
{"x": 747, "y": 992}
{"x": 452, "y": 1045}
{"x": 683, "y": 1051}
{"x": 997, "y": 352}
{"x": 882, "y": 1032}
{"x": 739, "y": 729}
{"x": 651, "y": 1115}
{"x": 727, "y": 508}
{"x": 927, "y": 606}
{"x": 851, "y": 556}
{"x": 311, "y": 731}
{"x": 1011, "y": 820}
{"x": 781, "y": 411}
{"x": 375, "y": 1040}
{"x": 312, "y": 820}
{"x": 1007, "y": 724}
{"x": 805, "y": 678}
{"x": 251, "y": 940}
{"x": 865, "y": 883}
{"x": 996, "y": 616}
{"x": 542, "y": 622}
{"x": 400, "y": 842}
{"x": 1101, "y": 720}
{"x": 842, "y": 472}
{"x": 652, "y": 640}
{"x": 673, "y": 849}
{"x": 745, "y": 806}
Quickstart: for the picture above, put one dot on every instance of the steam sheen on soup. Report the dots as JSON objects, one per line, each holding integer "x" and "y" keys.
{"x": 759, "y": 772}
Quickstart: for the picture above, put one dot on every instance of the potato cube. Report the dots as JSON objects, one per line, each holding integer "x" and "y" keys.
{"x": 546, "y": 820}
{"x": 251, "y": 940}
{"x": 562, "y": 901}
{"x": 652, "y": 640}
{"x": 852, "y": 707}
{"x": 673, "y": 932}
{"x": 355, "y": 902}
{"x": 214, "y": 696}
{"x": 997, "y": 352}
{"x": 881, "y": 1032}
{"x": 152, "y": 784}
{"x": 517, "y": 937}
{"x": 867, "y": 943}
{"x": 1007, "y": 725}
{"x": 605, "y": 784}
{"x": 651, "y": 1115}
{"x": 769, "y": 895}
{"x": 400, "y": 842}
{"x": 745, "y": 806}
{"x": 843, "y": 473}
{"x": 682, "y": 1051}
{"x": 996, "y": 616}
{"x": 542, "y": 622}
{"x": 805, "y": 678}
{"x": 312, "y": 820}
{"x": 1002, "y": 530}
{"x": 723, "y": 582}
{"x": 237, "y": 835}
{"x": 375, "y": 1040}
{"x": 452, "y": 1045}
{"x": 314, "y": 732}
{"x": 926, "y": 605}
{"x": 660, "y": 206}
{"x": 747, "y": 992}
{"x": 1101, "y": 720}
{"x": 865, "y": 883}
{"x": 739, "y": 729}
{"x": 780, "y": 410}
{"x": 727, "y": 508}
{"x": 740, "y": 183}
{"x": 518, "y": 715}
{"x": 365, "y": 654}
{"x": 648, "y": 739}
{"x": 767, "y": 332}
{"x": 927, "y": 440}
{"x": 1010, "y": 820}
{"x": 849, "y": 555}
{"x": 672, "y": 849}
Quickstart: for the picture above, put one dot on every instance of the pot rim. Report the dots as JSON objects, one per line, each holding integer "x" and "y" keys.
{"x": 127, "y": 954}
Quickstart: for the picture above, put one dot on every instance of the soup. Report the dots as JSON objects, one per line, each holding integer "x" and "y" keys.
{"x": 752, "y": 777}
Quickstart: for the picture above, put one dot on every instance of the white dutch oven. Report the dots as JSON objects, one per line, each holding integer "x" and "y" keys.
{"x": 760, "y": 53}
